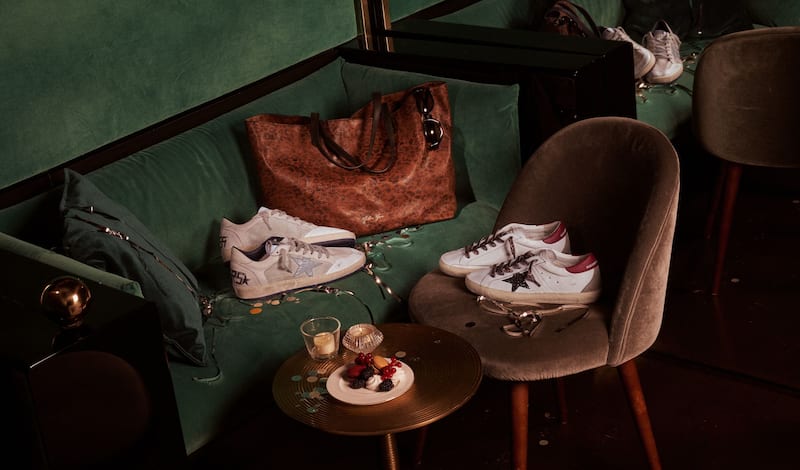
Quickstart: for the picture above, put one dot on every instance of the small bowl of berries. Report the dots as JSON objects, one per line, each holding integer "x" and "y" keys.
{"x": 370, "y": 379}
{"x": 375, "y": 373}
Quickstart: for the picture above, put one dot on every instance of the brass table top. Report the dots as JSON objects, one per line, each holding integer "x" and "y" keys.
{"x": 447, "y": 373}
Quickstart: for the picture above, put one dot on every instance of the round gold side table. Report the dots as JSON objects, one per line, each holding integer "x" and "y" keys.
{"x": 447, "y": 373}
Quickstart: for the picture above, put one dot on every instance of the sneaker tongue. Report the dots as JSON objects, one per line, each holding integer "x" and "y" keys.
{"x": 272, "y": 244}
{"x": 659, "y": 34}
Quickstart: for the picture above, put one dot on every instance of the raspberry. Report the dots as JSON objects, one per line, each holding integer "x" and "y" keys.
{"x": 356, "y": 370}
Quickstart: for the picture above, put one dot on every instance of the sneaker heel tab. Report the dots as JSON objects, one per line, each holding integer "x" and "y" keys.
{"x": 559, "y": 233}
{"x": 588, "y": 263}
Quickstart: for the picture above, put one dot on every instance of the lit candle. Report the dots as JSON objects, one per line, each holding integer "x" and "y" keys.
{"x": 324, "y": 343}
{"x": 357, "y": 331}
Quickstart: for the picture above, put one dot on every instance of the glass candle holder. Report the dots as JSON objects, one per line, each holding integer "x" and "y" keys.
{"x": 362, "y": 338}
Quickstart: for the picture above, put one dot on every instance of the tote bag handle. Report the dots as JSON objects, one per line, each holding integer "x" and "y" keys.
{"x": 340, "y": 157}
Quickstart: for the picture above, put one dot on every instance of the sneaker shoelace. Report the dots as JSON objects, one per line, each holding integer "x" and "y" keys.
{"x": 509, "y": 266}
{"x": 486, "y": 242}
{"x": 304, "y": 249}
{"x": 665, "y": 46}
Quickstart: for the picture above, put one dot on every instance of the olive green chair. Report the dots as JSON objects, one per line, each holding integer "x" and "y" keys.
{"x": 614, "y": 182}
{"x": 745, "y": 112}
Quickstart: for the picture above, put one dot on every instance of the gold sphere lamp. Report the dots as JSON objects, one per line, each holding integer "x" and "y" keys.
{"x": 64, "y": 301}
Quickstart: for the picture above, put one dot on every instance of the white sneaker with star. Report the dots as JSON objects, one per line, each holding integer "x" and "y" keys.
{"x": 503, "y": 245}
{"x": 286, "y": 264}
{"x": 544, "y": 276}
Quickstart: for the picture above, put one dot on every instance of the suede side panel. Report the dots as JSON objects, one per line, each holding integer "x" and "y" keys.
{"x": 745, "y": 100}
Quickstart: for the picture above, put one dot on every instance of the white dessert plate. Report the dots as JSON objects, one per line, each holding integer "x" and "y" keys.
{"x": 339, "y": 388}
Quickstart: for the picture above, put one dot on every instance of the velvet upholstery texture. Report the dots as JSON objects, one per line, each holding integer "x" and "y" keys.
{"x": 623, "y": 180}
{"x": 86, "y": 74}
{"x": 750, "y": 78}
{"x": 614, "y": 182}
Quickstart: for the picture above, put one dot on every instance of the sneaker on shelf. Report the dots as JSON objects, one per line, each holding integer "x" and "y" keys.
{"x": 665, "y": 45}
{"x": 503, "y": 245}
{"x": 277, "y": 223}
{"x": 544, "y": 276}
{"x": 285, "y": 264}
{"x": 643, "y": 59}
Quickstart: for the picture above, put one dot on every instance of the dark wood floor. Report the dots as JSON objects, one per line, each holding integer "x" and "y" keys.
{"x": 722, "y": 381}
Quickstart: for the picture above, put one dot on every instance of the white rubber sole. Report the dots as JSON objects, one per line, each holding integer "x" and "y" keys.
{"x": 259, "y": 292}
{"x": 533, "y": 297}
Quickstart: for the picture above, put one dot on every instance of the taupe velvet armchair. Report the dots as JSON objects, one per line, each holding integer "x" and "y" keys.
{"x": 614, "y": 181}
{"x": 745, "y": 111}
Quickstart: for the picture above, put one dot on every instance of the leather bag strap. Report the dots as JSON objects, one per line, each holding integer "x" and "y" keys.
{"x": 340, "y": 157}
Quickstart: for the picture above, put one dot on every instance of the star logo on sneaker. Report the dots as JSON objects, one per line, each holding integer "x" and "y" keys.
{"x": 304, "y": 266}
{"x": 517, "y": 280}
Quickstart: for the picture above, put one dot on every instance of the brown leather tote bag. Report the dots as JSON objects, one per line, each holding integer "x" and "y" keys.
{"x": 387, "y": 166}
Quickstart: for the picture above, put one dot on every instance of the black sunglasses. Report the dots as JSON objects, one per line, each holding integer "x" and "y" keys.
{"x": 431, "y": 128}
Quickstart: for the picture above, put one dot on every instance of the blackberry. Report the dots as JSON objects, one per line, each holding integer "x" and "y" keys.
{"x": 386, "y": 385}
{"x": 358, "y": 383}
{"x": 366, "y": 373}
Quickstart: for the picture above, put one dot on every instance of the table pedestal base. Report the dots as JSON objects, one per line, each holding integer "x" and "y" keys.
{"x": 390, "y": 454}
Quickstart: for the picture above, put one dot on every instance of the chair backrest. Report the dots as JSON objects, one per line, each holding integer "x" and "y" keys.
{"x": 746, "y": 97}
{"x": 614, "y": 182}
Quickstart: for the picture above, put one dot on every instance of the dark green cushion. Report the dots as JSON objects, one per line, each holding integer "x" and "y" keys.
{"x": 642, "y": 15}
{"x": 714, "y": 18}
{"x": 137, "y": 255}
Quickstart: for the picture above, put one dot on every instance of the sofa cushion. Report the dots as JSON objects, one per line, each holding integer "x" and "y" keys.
{"x": 642, "y": 15}
{"x": 106, "y": 235}
{"x": 773, "y": 12}
{"x": 714, "y": 18}
{"x": 199, "y": 176}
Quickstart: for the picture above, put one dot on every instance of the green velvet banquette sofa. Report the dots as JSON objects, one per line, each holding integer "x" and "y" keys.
{"x": 146, "y": 102}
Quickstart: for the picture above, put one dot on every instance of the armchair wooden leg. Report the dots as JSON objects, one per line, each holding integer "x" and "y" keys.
{"x": 733, "y": 173}
{"x": 716, "y": 197}
{"x": 630, "y": 379}
{"x": 519, "y": 425}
